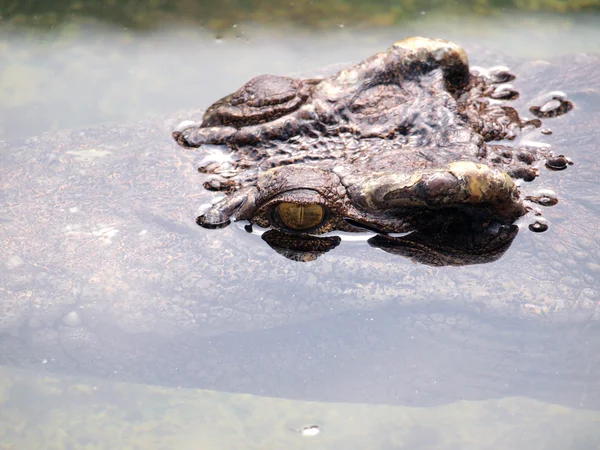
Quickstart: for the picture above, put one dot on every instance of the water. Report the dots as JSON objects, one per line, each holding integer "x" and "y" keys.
{"x": 105, "y": 275}
{"x": 84, "y": 72}
{"x": 100, "y": 414}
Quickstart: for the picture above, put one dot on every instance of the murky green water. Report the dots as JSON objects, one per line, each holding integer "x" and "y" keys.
{"x": 144, "y": 14}
{"x": 66, "y": 413}
{"x": 105, "y": 274}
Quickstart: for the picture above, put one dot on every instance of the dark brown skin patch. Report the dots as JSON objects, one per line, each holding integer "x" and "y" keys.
{"x": 408, "y": 113}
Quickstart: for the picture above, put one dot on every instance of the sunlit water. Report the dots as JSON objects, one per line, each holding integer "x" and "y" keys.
{"x": 106, "y": 275}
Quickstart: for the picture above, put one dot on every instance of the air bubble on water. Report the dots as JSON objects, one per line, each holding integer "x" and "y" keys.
{"x": 544, "y": 197}
{"x": 550, "y": 105}
{"x": 539, "y": 226}
{"x": 559, "y": 162}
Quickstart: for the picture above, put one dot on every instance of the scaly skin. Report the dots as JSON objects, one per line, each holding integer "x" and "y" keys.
{"x": 385, "y": 145}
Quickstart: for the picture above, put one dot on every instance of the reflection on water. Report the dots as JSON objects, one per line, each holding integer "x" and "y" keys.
{"x": 432, "y": 247}
{"x": 105, "y": 273}
{"x": 64, "y": 412}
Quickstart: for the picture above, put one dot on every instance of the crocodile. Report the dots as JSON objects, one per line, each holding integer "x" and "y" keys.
{"x": 411, "y": 140}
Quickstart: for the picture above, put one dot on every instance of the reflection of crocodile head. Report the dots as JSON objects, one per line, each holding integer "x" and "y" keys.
{"x": 393, "y": 144}
{"x": 456, "y": 243}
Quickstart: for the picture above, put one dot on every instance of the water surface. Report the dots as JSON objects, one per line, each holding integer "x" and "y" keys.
{"x": 105, "y": 274}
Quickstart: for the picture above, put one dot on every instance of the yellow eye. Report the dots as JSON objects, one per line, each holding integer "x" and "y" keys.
{"x": 300, "y": 217}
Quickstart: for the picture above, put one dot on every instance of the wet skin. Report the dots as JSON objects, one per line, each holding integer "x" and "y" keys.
{"x": 389, "y": 145}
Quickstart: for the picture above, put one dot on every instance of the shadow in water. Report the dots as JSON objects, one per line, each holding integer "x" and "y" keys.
{"x": 455, "y": 244}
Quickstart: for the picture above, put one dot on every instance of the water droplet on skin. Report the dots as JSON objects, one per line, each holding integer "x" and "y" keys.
{"x": 549, "y": 106}
{"x": 505, "y": 93}
{"x": 554, "y": 104}
{"x": 539, "y": 226}
{"x": 526, "y": 157}
{"x": 559, "y": 162}
{"x": 500, "y": 74}
{"x": 544, "y": 197}
{"x": 525, "y": 173}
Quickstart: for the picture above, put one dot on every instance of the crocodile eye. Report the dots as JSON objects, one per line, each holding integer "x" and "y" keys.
{"x": 300, "y": 217}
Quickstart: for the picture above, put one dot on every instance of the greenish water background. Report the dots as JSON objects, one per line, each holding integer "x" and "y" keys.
{"x": 310, "y": 14}
{"x": 69, "y": 64}
{"x": 51, "y": 412}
